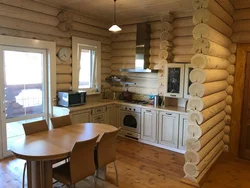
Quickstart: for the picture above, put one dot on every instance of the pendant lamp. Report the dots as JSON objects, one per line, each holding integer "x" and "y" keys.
{"x": 114, "y": 27}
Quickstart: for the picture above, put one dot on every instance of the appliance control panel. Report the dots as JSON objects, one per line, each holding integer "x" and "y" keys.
{"x": 130, "y": 108}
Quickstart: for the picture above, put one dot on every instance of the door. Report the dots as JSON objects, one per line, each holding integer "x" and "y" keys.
{"x": 23, "y": 91}
{"x": 245, "y": 122}
{"x": 81, "y": 117}
{"x": 168, "y": 129}
{"x": 182, "y": 132}
{"x": 149, "y": 125}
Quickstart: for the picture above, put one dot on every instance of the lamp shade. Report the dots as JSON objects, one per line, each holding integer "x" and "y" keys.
{"x": 115, "y": 28}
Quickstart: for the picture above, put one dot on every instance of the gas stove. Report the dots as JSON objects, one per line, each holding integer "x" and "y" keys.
{"x": 137, "y": 102}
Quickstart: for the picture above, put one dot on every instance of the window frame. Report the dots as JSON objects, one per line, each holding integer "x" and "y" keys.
{"x": 77, "y": 44}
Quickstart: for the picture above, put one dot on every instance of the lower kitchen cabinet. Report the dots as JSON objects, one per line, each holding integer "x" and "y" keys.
{"x": 83, "y": 116}
{"x": 149, "y": 125}
{"x": 182, "y": 132}
{"x": 168, "y": 129}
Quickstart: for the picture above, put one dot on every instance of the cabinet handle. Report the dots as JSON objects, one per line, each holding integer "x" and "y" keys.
{"x": 148, "y": 110}
{"x": 169, "y": 114}
{"x": 173, "y": 95}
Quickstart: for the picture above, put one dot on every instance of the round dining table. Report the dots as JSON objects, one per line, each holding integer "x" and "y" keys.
{"x": 41, "y": 149}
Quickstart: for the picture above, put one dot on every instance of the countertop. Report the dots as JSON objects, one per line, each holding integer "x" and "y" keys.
{"x": 88, "y": 105}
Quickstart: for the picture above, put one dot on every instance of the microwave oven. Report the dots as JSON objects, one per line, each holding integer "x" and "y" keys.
{"x": 71, "y": 98}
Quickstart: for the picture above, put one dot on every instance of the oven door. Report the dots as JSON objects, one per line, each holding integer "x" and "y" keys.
{"x": 130, "y": 121}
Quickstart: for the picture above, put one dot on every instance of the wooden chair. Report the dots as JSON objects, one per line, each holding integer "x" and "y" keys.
{"x": 105, "y": 151}
{"x": 81, "y": 164}
{"x": 61, "y": 121}
{"x": 32, "y": 128}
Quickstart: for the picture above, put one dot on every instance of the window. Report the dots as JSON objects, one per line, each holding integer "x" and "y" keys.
{"x": 86, "y": 65}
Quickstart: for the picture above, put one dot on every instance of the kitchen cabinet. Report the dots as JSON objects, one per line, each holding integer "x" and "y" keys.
{"x": 83, "y": 116}
{"x": 168, "y": 129}
{"x": 187, "y": 81}
{"x": 99, "y": 114}
{"x": 183, "y": 123}
{"x": 149, "y": 125}
{"x": 174, "y": 77}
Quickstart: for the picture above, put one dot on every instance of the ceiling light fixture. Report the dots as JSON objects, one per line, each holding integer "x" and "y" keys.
{"x": 114, "y": 27}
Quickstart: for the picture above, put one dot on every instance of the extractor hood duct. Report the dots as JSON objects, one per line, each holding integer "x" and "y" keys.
{"x": 142, "y": 49}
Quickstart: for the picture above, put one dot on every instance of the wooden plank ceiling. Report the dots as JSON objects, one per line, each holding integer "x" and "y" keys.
{"x": 128, "y": 11}
{"x": 240, "y": 4}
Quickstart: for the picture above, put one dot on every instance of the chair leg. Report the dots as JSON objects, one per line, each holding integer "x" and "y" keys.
{"x": 116, "y": 173}
{"x": 24, "y": 170}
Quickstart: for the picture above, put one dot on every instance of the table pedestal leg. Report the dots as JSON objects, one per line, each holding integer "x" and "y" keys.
{"x": 39, "y": 174}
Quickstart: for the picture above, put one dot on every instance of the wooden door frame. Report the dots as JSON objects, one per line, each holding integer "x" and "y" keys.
{"x": 238, "y": 94}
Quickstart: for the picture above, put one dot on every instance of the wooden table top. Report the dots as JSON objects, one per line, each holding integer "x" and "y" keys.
{"x": 56, "y": 143}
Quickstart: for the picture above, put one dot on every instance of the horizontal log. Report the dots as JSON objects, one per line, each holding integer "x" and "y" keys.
{"x": 183, "y": 22}
{"x": 208, "y": 75}
{"x": 241, "y": 25}
{"x": 28, "y": 15}
{"x": 193, "y": 170}
{"x": 161, "y": 26}
{"x": 103, "y": 40}
{"x": 63, "y": 69}
{"x": 63, "y": 87}
{"x": 124, "y": 37}
{"x": 227, "y": 130}
{"x": 164, "y": 54}
{"x": 182, "y": 58}
{"x": 105, "y": 70}
{"x": 197, "y": 145}
{"x": 131, "y": 28}
{"x": 124, "y": 45}
{"x": 230, "y": 79}
{"x": 229, "y": 90}
{"x": 123, "y": 60}
{"x": 164, "y": 45}
{"x": 157, "y": 60}
{"x": 183, "y": 41}
{"x": 229, "y": 100}
{"x": 105, "y": 63}
{"x": 18, "y": 24}
{"x": 167, "y": 18}
{"x": 210, "y": 48}
{"x": 227, "y": 5}
{"x": 63, "y": 78}
{"x": 106, "y": 56}
{"x": 166, "y": 36}
{"x": 183, "y": 31}
{"x": 123, "y": 52}
{"x": 105, "y": 85}
{"x": 194, "y": 157}
{"x": 155, "y": 51}
{"x": 228, "y": 110}
{"x": 209, "y": 62}
{"x": 227, "y": 120}
{"x": 198, "y": 117}
{"x": 183, "y": 14}
{"x": 205, "y": 31}
{"x": 104, "y": 76}
{"x": 232, "y": 59}
{"x": 231, "y": 69}
{"x": 106, "y": 48}
{"x": 205, "y": 16}
{"x": 155, "y": 42}
{"x": 34, "y": 6}
{"x": 183, "y": 50}
{"x": 90, "y": 29}
{"x": 155, "y": 34}
{"x": 215, "y": 8}
{"x": 59, "y": 61}
{"x": 226, "y": 139}
{"x": 196, "y": 103}
{"x": 200, "y": 90}
{"x": 30, "y": 35}
{"x": 241, "y": 37}
{"x": 65, "y": 26}
{"x": 233, "y": 48}
{"x": 241, "y": 14}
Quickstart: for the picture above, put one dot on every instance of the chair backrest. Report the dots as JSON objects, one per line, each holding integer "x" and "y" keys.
{"x": 35, "y": 127}
{"x": 61, "y": 121}
{"x": 106, "y": 148}
{"x": 82, "y": 162}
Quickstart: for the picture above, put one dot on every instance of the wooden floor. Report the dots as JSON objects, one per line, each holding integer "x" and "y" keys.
{"x": 143, "y": 166}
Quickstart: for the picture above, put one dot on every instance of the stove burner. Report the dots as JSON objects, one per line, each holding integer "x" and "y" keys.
{"x": 137, "y": 102}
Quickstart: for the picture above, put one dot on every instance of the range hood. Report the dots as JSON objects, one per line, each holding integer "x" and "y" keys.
{"x": 142, "y": 49}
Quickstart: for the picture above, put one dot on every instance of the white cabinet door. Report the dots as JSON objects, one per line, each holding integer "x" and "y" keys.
{"x": 108, "y": 114}
{"x": 115, "y": 116}
{"x": 149, "y": 125}
{"x": 183, "y": 132}
{"x": 168, "y": 129}
{"x": 81, "y": 116}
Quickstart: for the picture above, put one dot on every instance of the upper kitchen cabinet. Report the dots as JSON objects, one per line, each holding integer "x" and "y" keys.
{"x": 187, "y": 81}
{"x": 174, "y": 77}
